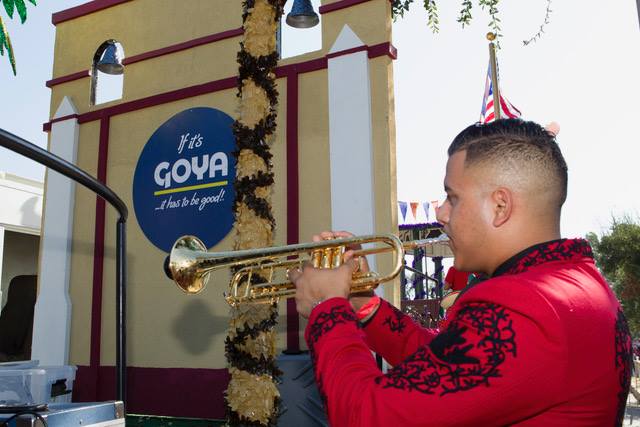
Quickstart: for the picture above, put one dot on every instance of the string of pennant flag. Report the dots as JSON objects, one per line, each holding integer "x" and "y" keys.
{"x": 417, "y": 212}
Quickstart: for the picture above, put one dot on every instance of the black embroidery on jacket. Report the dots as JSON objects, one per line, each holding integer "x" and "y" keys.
{"x": 398, "y": 324}
{"x": 328, "y": 320}
{"x": 325, "y": 322}
{"x": 468, "y": 353}
{"x": 624, "y": 361}
{"x": 555, "y": 250}
{"x": 449, "y": 346}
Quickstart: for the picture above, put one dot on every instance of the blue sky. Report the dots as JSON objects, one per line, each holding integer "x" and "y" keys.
{"x": 583, "y": 73}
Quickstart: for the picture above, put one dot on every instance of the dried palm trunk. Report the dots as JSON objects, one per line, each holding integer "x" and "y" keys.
{"x": 252, "y": 396}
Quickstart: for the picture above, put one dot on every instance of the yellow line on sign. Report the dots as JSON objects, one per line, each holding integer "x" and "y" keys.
{"x": 191, "y": 187}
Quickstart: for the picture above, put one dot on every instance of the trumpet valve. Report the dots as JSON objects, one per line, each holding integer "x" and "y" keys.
{"x": 337, "y": 256}
{"x": 316, "y": 258}
{"x": 327, "y": 258}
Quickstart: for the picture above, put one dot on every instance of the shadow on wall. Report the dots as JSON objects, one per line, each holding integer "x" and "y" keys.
{"x": 196, "y": 327}
{"x": 31, "y": 212}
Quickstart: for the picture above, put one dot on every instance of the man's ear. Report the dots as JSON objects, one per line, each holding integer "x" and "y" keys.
{"x": 502, "y": 199}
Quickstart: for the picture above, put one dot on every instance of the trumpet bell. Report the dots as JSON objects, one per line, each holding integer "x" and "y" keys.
{"x": 184, "y": 267}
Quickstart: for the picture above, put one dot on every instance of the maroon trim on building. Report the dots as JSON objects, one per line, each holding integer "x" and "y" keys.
{"x": 173, "y": 392}
{"x": 62, "y": 119}
{"x": 98, "y": 257}
{"x": 383, "y": 49}
{"x": 84, "y": 9}
{"x": 68, "y": 78}
{"x": 154, "y": 100}
{"x": 155, "y": 53}
{"x": 301, "y": 68}
{"x": 293, "y": 209}
{"x": 332, "y": 7}
{"x": 184, "y": 46}
{"x": 97, "y": 5}
{"x": 162, "y": 98}
{"x": 348, "y": 51}
{"x": 227, "y": 83}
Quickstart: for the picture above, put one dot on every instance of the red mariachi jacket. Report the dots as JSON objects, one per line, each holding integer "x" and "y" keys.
{"x": 541, "y": 343}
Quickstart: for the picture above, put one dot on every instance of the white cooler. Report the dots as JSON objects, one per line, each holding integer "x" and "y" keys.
{"x": 26, "y": 383}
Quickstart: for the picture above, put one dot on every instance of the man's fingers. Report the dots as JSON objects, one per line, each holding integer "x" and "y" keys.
{"x": 294, "y": 274}
{"x": 306, "y": 265}
{"x": 342, "y": 234}
{"x": 328, "y": 235}
{"x": 361, "y": 261}
{"x": 352, "y": 265}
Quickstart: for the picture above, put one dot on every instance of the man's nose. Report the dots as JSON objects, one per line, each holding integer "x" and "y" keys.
{"x": 442, "y": 213}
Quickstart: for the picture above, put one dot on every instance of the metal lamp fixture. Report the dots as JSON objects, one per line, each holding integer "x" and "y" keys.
{"x": 302, "y": 15}
{"x": 110, "y": 62}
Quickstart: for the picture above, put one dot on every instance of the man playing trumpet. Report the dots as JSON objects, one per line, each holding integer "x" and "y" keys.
{"x": 541, "y": 342}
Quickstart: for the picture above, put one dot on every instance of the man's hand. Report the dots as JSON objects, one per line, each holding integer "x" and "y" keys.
{"x": 349, "y": 254}
{"x": 359, "y": 299}
{"x": 315, "y": 285}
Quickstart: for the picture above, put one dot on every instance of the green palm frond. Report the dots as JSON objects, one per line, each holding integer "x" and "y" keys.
{"x": 5, "y": 43}
{"x": 10, "y": 6}
{"x": 22, "y": 10}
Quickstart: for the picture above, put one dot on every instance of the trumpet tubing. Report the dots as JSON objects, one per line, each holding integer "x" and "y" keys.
{"x": 242, "y": 289}
{"x": 255, "y": 278}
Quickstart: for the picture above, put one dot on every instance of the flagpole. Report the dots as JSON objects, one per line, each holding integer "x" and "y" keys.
{"x": 497, "y": 108}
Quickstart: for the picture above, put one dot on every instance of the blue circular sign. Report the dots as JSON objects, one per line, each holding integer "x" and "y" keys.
{"x": 183, "y": 183}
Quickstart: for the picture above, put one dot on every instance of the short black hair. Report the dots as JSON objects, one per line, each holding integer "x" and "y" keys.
{"x": 523, "y": 144}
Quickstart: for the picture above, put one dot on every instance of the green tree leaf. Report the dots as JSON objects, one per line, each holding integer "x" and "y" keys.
{"x": 617, "y": 254}
{"x": 22, "y": 10}
{"x": 9, "y": 7}
{"x": 5, "y": 43}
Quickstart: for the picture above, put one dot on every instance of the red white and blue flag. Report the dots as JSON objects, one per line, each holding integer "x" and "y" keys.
{"x": 507, "y": 111}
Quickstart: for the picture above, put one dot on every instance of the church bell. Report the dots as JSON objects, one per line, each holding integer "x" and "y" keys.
{"x": 302, "y": 15}
{"x": 110, "y": 62}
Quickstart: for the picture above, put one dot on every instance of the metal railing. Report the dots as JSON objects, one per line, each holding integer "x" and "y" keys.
{"x": 44, "y": 157}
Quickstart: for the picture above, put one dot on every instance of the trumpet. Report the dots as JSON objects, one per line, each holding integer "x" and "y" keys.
{"x": 190, "y": 264}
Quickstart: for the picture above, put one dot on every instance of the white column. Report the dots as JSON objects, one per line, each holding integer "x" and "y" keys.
{"x": 52, "y": 319}
{"x": 350, "y": 136}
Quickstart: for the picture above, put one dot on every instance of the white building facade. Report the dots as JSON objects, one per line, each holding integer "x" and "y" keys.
{"x": 20, "y": 218}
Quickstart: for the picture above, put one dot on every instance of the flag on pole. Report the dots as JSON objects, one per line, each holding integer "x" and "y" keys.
{"x": 487, "y": 115}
